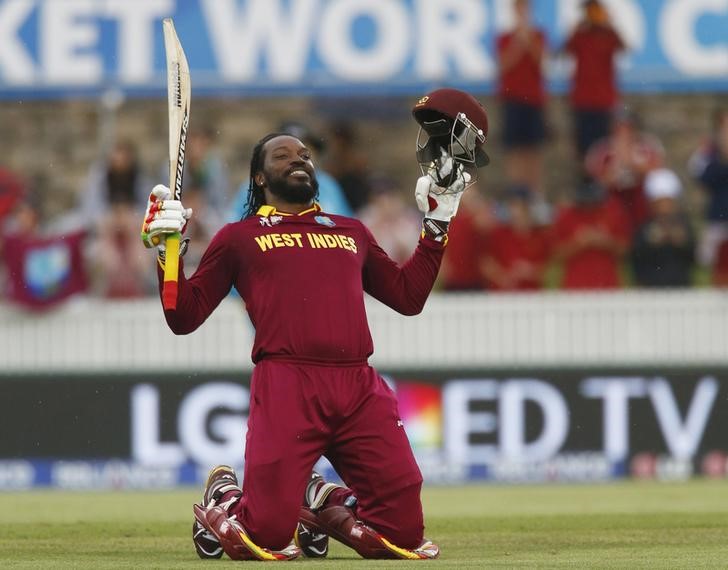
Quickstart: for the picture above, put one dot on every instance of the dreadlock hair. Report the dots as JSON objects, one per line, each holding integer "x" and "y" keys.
{"x": 256, "y": 198}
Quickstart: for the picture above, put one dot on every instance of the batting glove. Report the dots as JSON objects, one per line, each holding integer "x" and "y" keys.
{"x": 437, "y": 203}
{"x": 163, "y": 216}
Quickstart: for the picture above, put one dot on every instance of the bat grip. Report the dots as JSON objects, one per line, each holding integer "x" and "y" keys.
{"x": 171, "y": 272}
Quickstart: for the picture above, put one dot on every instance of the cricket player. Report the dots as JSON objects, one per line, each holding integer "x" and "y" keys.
{"x": 302, "y": 274}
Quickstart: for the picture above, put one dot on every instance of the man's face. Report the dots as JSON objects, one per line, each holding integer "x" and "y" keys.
{"x": 664, "y": 207}
{"x": 596, "y": 13}
{"x": 522, "y": 9}
{"x": 121, "y": 158}
{"x": 288, "y": 172}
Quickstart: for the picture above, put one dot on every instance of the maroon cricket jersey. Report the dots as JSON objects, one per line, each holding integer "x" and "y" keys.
{"x": 303, "y": 279}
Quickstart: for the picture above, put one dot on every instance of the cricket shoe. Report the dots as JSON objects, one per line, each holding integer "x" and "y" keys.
{"x": 313, "y": 544}
{"x": 340, "y": 522}
{"x": 234, "y": 539}
{"x": 221, "y": 489}
{"x": 206, "y": 544}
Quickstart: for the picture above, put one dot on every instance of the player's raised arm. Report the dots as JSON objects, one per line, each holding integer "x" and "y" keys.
{"x": 453, "y": 127}
{"x": 198, "y": 296}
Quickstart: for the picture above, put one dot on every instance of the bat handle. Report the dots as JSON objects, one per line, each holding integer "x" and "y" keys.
{"x": 171, "y": 272}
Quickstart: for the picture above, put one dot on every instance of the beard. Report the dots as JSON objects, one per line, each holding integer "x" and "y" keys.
{"x": 294, "y": 192}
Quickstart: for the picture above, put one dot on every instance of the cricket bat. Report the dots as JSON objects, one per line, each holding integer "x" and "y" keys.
{"x": 178, "y": 106}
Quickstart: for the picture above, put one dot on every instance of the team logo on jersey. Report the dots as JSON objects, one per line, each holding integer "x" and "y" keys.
{"x": 270, "y": 221}
{"x": 325, "y": 221}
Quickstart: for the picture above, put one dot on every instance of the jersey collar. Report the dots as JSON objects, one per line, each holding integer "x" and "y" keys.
{"x": 267, "y": 211}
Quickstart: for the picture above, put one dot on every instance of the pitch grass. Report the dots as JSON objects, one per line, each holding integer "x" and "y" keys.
{"x": 621, "y": 525}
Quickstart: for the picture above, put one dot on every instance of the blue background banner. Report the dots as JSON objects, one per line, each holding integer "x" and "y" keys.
{"x": 51, "y": 48}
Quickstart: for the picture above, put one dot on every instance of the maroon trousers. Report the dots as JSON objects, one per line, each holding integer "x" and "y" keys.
{"x": 299, "y": 412}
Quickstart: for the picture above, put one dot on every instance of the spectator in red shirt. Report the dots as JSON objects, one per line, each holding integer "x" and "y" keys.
{"x": 12, "y": 189}
{"x": 460, "y": 269}
{"x": 719, "y": 276}
{"x": 518, "y": 250}
{"x": 621, "y": 162}
{"x": 591, "y": 238}
{"x": 594, "y": 92}
{"x": 520, "y": 53}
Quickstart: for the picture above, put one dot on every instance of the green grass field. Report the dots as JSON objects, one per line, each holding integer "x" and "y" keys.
{"x": 622, "y": 525}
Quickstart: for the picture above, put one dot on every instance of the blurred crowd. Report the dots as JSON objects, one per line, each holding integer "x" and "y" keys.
{"x": 625, "y": 223}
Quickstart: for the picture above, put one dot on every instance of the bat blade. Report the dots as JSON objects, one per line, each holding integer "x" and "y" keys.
{"x": 179, "y": 96}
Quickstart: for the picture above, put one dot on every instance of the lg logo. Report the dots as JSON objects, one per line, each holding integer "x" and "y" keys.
{"x": 211, "y": 425}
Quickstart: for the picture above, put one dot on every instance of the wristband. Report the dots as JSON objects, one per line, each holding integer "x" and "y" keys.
{"x": 162, "y": 252}
{"x": 435, "y": 229}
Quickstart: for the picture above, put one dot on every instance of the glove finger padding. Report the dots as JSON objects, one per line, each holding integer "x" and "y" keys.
{"x": 422, "y": 191}
{"x": 440, "y": 203}
{"x": 160, "y": 192}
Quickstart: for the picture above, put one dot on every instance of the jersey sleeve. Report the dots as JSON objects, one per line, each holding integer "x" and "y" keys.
{"x": 199, "y": 295}
{"x": 405, "y": 289}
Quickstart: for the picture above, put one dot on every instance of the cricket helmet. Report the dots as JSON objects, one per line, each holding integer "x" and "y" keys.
{"x": 453, "y": 124}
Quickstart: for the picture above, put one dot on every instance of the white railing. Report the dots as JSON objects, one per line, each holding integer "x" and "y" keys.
{"x": 482, "y": 331}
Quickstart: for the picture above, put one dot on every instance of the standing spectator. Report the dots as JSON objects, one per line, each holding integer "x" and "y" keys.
{"x": 115, "y": 194}
{"x": 393, "y": 223}
{"x": 521, "y": 53}
{"x": 593, "y": 44}
{"x": 590, "y": 240}
{"x": 331, "y": 197}
{"x": 466, "y": 243}
{"x": 621, "y": 161}
{"x": 518, "y": 250}
{"x": 663, "y": 251}
{"x": 709, "y": 165}
{"x": 349, "y": 165}
{"x": 115, "y": 180}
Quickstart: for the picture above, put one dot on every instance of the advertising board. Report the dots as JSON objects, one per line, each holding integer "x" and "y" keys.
{"x": 138, "y": 431}
{"x": 50, "y": 48}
